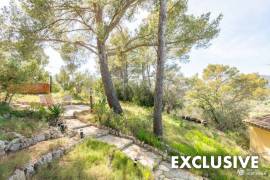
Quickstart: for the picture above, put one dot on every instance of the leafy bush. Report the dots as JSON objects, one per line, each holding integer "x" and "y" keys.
{"x": 143, "y": 95}
{"x": 120, "y": 92}
{"x": 55, "y": 111}
{"x": 101, "y": 109}
{"x": 116, "y": 121}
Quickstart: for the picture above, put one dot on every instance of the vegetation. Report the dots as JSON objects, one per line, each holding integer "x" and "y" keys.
{"x": 94, "y": 160}
{"x": 139, "y": 66}
{"x": 55, "y": 112}
{"x": 223, "y": 95}
{"x": 186, "y": 137}
{"x": 9, "y": 163}
{"x": 24, "y": 122}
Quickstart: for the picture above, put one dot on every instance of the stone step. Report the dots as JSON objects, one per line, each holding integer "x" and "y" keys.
{"x": 120, "y": 143}
{"x": 146, "y": 158}
{"x": 164, "y": 171}
{"x": 69, "y": 110}
{"x": 81, "y": 127}
{"x": 74, "y": 124}
{"x": 92, "y": 131}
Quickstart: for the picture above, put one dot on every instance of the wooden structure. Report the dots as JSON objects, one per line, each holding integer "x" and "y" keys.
{"x": 259, "y": 131}
{"x": 38, "y": 88}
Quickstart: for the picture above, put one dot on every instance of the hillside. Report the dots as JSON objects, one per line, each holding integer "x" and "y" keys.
{"x": 186, "y": 137}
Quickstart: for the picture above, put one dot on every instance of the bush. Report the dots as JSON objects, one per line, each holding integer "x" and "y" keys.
{"x": 55, "y": 111}
{"x": 101, "y": 110}
{"x": 116, "y": 121}
{"x": 143, "y": 95}
{"x": 120, "y": 92}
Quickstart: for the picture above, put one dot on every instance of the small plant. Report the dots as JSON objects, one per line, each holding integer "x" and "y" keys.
{"x": 101, "y": 110}
{"x": 55, "y": 111}
{"x": 149, "y": 138}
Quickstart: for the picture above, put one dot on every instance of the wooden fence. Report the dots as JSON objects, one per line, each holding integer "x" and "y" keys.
{"x": 38, "y": 88}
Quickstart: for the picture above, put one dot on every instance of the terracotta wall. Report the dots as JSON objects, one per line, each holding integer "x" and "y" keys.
{"x": 260, "y": 141}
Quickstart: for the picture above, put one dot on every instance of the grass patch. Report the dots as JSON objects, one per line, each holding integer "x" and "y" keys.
{"x": 25, "y": 122}
{"x": 9, "y": 163}
{"x": 94, "y": 160}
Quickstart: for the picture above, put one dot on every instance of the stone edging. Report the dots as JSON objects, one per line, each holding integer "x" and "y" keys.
{"x": 114, "y": 132}
{"x": 165, "y": 156}
{"x": 22, "y": 143}
{"x": 31, "y": 168}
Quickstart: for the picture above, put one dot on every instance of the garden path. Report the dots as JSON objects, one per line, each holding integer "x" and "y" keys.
{"x": 160, "y": 168}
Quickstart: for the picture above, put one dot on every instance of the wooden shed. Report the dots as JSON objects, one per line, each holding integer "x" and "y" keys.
{"x": 259, "y": 132}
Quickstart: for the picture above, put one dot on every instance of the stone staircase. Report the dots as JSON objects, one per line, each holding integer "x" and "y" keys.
{"x": 152, "y": 160}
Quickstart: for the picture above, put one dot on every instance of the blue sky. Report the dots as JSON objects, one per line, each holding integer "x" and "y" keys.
{"x": 244, "y": 40}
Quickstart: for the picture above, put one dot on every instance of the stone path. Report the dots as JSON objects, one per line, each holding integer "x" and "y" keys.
{"x": 161, "y": 169}
{"x": 69, "y": 110}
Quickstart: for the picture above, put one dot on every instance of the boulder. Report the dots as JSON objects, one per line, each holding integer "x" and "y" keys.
{"x": 14, "y": 145}
{"x": 17, "y": 175}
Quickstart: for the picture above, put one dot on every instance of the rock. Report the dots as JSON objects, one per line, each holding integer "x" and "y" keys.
{"x": 2, "y": 144}
{"x": 57, "y": 154}
{"x": 26, "y": 143}
{"x": 14, "y": 145}
{"x": 55, "y": 134}
{"x": 39, "y": 138}
{"x": 47, "y": 158}
{"x": 47, "y": 136}
{"x": 29, "y": 170}
{"x": 37, "y": 165}
{"x": 163, "y": 168}
{"x": 17, "y": 175}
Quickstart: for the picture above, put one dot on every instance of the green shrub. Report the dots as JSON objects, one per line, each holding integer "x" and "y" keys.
{"x": 101, "y": 110}
{"x": 55, "y": 111}
{"x": 143, "y": 95}
{"x": 120, "y": 92}
{"x": 116, "y": 121}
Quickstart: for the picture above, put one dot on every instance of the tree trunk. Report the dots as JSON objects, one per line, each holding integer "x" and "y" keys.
{"x": 148, "y": 76}
{"x": 107, "y": 79}
{"x": 157, "y": 126}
